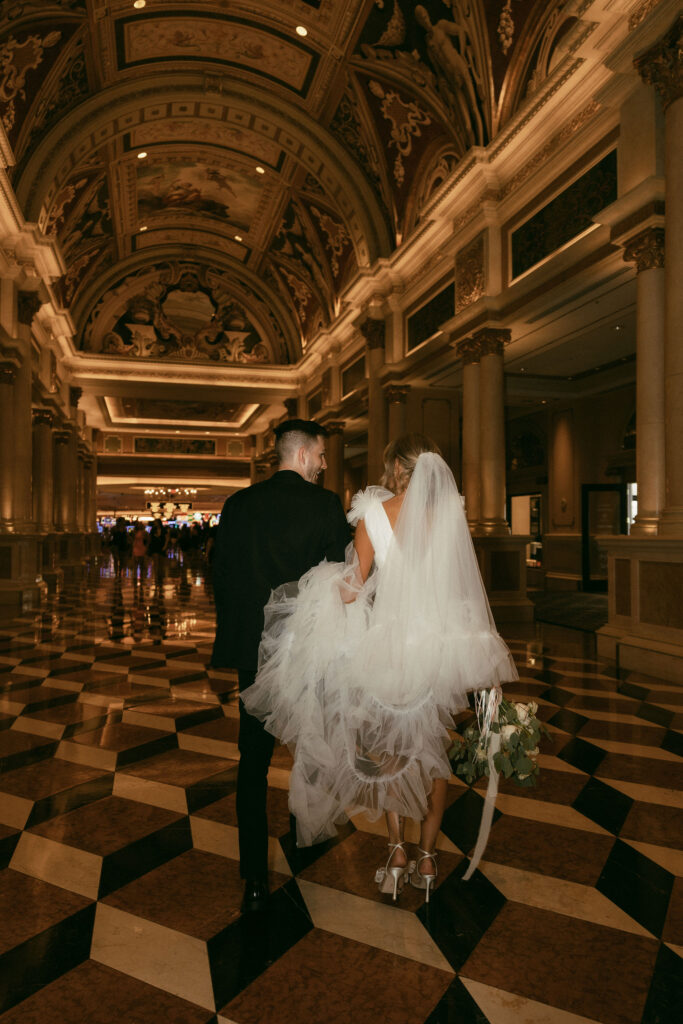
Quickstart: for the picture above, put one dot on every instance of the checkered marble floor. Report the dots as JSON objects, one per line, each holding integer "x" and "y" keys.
{"x": 119, "y": 881}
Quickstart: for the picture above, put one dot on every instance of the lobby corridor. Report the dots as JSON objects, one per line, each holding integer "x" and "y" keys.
{"x": 119, "y": 883}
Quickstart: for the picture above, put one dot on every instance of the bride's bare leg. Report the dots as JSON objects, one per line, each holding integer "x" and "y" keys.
{"x": 395, "y": 830}
{"x": 431, "y": 823}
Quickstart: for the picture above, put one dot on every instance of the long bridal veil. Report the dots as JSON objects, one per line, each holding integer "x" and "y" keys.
{"x": 361, "y": 678}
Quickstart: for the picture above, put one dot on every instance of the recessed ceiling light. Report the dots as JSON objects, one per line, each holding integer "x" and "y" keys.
{"x": 139, "y": 4}
{"x": 143, "y": 227}
{"x": 238, "y": 238}
{"x": 260, "y": 170}
{"x": 618, "y": 327}
{"x": 141, "y": 156}
{"x": 301, "y": 31}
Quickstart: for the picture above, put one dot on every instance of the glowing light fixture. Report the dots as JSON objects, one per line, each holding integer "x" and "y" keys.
{"x": 139, "y": 4}
{"x": 260, "y": 170}
{"x": 301, "y": 31}
{"x": 238, "y": 238}
{"x": 143, "y": 227}
{"x": 141, "y": 156}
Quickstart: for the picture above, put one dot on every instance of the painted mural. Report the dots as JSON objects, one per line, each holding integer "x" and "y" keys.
{"x": 182, "y": 183}
{"x": 164, "y": 409}
{"x": 214, "y": 39}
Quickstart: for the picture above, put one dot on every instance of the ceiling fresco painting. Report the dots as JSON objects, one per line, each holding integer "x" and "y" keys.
{"x": 160, "y": 410}
{"x": 278, "y": 165}
{"x": 146, "y": 39}
{"x": 182, "y": 182}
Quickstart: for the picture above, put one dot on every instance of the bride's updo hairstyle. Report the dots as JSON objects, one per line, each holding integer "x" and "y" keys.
{"x": 406, "y": 449}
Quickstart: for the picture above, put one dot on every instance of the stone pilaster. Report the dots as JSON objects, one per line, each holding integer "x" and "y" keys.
{"x": 43, "y": 470}
{"x": 395, "y": 397}
{"x": 646, "y": 250}
{"x": 469, "y": 352}
{"x": 334, "y": 474}
{"x": 374, "y": 332}
{"x": 661, "y": 66}
{"x": 8, "y": 373}
{"x": 491, "y": 342}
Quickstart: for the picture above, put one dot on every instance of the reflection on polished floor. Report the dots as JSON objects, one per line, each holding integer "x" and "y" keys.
{"x": 119, "y": 882}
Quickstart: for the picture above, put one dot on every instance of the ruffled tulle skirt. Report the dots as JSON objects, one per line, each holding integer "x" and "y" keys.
{"x": 364, "y": 702}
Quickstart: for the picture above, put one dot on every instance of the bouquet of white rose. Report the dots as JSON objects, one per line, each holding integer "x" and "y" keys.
{"x": 520, "y": 732}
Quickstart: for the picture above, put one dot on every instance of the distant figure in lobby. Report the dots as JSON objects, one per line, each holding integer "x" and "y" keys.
{"x": 157, "y": 546}
{"x": 140, "y": 541}
{"x": 269, "y": 534}
{"x": 119, "y": 545}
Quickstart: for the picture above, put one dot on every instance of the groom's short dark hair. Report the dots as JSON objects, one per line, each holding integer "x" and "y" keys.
{"x": 291, "y": 434}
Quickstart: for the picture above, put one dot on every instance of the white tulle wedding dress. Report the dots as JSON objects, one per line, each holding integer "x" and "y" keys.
{"x": 361, "y": 678}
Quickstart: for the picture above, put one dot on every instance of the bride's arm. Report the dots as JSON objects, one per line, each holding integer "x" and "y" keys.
{"x": 361, "y": 568}
{"x": 364, "y": 550}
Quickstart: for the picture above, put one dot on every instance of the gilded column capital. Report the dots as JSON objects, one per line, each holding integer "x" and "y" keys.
{"x": 492, "y": 340}
{"x": 374, "y": 332}
{"x": 335, "y": 427}
{"x": 75, "y": 395}
{"x": 42, "y": 417}
{"x": 468, "y": 350}
{"x": 292, "y": 407}
{"x": 63, "y": 435}
{"x": 646, "y": 249}
{"x": 662, "y": 65}
{"x": 8, "y": 373}
{"x": 396, "y": 394}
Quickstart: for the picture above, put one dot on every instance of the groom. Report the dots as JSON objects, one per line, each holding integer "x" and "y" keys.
{"x": 270, "y": 533}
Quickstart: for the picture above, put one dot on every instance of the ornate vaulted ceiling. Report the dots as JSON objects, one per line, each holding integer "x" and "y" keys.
{"x": 216, "y": 179}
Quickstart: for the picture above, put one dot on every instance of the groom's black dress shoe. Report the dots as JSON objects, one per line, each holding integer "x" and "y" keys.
{"x": 255, "y": 895}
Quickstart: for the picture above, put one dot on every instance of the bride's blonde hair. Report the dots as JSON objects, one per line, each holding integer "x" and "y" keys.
{"x": 407, "y": 450}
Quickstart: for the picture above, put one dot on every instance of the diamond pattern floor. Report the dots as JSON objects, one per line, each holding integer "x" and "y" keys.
{"x": 119, "y": 881}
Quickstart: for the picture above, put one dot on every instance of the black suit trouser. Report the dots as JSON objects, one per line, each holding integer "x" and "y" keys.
{"x": 256, "y": 749}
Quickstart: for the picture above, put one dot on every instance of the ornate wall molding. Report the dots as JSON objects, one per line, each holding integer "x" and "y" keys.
{"x": 470, "y": 273}
{"x": 28, "y": 304}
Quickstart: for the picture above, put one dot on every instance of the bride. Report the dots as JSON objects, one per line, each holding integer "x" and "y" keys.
{"x": 363, "y": 663}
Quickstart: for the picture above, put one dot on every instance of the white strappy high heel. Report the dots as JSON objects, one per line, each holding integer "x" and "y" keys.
{"x": 390, "y": 878}
{"x": 424, "y": 881}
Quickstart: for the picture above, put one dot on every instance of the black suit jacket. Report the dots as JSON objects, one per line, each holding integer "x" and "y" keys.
{"x": 270, "y": 533}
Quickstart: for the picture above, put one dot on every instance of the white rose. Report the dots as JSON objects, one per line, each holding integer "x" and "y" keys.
{"x": 507, "y": 731}
{"x": 532, "y": 753}
{"x": 523, "y": 713}
{"x": 480, "y": 754}
{"x": 533, "y": 707}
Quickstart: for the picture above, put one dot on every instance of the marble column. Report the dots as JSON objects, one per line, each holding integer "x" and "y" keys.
{"x": 334, "y": 474}
{"x": 8, "y": 372}
{"x": 661, "y": 66}
{"x": 81, "y": 489}
{"x": 468, "y": 350}
{"x": 646, "y": 250}
{"x": 43, "y": 470}
{"x": 63, "y": 480}
{"x": 374, "y": 332}
{"x": 22, "y": 448}
{"x": 91, "y": 521}
{"x": 491, "y": 342}
{"x": 395, "y": 396}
